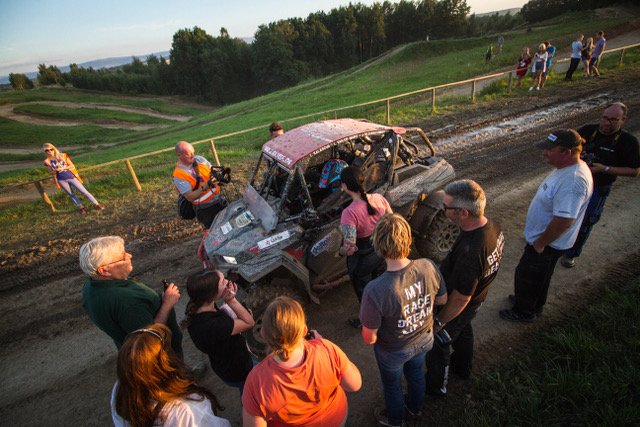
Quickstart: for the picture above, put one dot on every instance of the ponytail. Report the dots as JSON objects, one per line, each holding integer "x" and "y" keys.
{"x": 202, "y": 288}
{"x": 370, "y": 209}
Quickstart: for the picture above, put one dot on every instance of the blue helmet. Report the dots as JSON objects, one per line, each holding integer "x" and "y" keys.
{"x": 330, "y": 177}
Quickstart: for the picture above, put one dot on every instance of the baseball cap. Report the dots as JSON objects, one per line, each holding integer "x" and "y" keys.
{"x": 568, "y": 138}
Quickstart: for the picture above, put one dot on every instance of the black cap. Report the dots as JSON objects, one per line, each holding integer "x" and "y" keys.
{"x": 568, "y": 138}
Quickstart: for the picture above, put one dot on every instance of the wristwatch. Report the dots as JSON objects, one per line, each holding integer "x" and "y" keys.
{"x": 606, "y": 169}
{"x": 438, "y": 322}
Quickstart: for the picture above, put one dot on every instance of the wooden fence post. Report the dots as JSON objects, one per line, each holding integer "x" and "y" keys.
{"x": 473, "y": 91}
{"x": 621, "y": 55}
{"x": 215, "y": 153}
{"x": 388, "y": 113}
{"x": 133, "y": 175}
{"x": 433, "y": 100}
{"x": 509, "y": 84}
{"x": 44, "y": 196}
{"x": 335, "y": 115}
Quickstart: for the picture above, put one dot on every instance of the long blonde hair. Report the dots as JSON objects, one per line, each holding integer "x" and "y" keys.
{"x": 283, "y": 326}
{"x": 150, "y": 376}
{"x": 56, "y": 154}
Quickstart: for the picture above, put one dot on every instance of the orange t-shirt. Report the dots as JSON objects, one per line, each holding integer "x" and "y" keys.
{"x": 308, "y": 395}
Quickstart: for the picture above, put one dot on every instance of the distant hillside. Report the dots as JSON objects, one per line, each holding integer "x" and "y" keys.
{"x": 500, "y": 12}
{"x": 96, "y": 64}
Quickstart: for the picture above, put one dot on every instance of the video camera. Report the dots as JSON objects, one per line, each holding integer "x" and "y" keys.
{"x": 589, "y": 158}
{"x": 221, "y": 174}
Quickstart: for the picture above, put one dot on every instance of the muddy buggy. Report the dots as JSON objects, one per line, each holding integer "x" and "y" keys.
{"x": 283, "y": 236}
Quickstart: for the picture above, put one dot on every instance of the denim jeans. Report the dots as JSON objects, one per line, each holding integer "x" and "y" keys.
{"x": 591, "y": 217}
{"x": 75, "y": 183}
{"x": 392, "y": 365}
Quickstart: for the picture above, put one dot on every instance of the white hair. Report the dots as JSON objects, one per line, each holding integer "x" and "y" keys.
{"x": 96, "y": 252}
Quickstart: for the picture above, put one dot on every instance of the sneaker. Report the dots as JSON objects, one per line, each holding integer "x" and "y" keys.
{"x": 537, "y": 88}
{"x": 514, "y": 316}
{"x": 381, "y": 416}
{"x": 355, "y": 323}
{"x": 531, "y": 88}
{"x": 568, "y": 262}
{"x": 99, "y": 207}
{"x": 512, "y": 300}
{"x": 83, "y": 210}
{"x": 410, "y": 416}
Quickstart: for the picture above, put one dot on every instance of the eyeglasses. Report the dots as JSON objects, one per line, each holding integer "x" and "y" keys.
{"x": 610, "y": 119}
{"x": 124, "y": 258}
{"x": 48, "y": 149}
{"x": 446, "y": 208}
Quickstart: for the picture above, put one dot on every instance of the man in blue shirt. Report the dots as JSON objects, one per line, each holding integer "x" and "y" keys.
{"x": 551, "y": 50}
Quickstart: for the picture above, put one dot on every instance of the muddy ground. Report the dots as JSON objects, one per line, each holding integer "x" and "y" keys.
{"x": 57, "y": 368}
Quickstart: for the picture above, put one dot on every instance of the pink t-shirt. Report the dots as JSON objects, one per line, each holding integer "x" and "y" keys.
{"x": 356, "y": 214}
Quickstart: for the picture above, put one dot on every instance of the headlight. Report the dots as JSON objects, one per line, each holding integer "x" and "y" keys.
{"x": 229, "y": 259}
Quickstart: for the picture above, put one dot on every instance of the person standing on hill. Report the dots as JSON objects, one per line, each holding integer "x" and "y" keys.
{"x": 539, "y": 65}
{"x": 612, "y": 152}
{"x": 576, "y": 46}
{"x": 66, "y": 175}
{"x": 587, "y": 48}
{"x": 191, "y": 178}
{"x": 551, "y": 50}
{"x": 523, "y": 65}
{"x": 500, "y": 43}
{"x": 598, "y": 50}
{"x": 488, "y": 54}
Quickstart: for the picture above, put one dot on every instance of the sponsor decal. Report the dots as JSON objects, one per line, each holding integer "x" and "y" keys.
{"x": 278, "y": 156}
{"x": 244, "y": 219}
{"x": 226, "y": 227}
{"x": 272, "y": 240}
{"x": 322, "y": 244}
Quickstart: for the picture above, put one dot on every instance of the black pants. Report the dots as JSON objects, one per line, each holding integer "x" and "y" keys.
{"x": 363, "y": 266}
{"x": 208, "y": 214}
{"x": 572, "y": 68}
{"x": 440, "y": 360}
{"x": 532, "y": 278}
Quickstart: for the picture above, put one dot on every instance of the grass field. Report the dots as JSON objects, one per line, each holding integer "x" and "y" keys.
{"x": 88, "y": 113}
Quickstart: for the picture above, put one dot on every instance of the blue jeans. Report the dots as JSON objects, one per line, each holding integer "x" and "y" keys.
{"x": 591, "y": 217}
{"x": 392, "y": 365}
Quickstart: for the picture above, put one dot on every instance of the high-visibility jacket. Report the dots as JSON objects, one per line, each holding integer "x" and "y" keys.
{"x": 204, "y": 171}
{"x": 65, "y": 162}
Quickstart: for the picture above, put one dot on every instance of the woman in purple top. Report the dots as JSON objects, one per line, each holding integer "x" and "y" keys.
{"x": 62, "y": 167}
{"x": 357, "y": 224}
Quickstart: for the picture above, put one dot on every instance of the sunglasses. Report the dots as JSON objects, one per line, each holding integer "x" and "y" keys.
{"x": 48, "y": 149}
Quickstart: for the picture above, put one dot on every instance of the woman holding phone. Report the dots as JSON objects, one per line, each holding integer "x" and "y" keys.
{"x": 215, "y": 330}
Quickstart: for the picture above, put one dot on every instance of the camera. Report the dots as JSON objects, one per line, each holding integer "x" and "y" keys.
{"x": 589, "y": 158}
{"x": 221, "y": 174}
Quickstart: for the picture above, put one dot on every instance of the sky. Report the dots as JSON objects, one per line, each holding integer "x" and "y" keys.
{"x": 62, "y": 32}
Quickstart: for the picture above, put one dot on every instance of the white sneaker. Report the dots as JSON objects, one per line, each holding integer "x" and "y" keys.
{"x": 537, "y": 88}
{"x": 531, "y": 88}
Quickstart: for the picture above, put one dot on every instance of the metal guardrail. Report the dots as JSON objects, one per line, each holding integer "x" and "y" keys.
{"x": 386, "y": 101}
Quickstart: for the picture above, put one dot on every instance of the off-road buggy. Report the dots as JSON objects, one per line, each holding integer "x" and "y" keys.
{"x": 283, "y": 236}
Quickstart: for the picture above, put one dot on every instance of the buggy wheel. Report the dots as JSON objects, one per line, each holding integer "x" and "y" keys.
{"x": 435, "y": 238}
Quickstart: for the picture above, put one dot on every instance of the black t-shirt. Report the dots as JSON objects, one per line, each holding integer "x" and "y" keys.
{"x": 619, "y": 149}
{"x": 473, "y": 262}
{"x": 211, "y": 331}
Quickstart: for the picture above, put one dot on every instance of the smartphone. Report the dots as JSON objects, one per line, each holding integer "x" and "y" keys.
{"x": 310, "y": 335}
{"x": 165, "y": 283}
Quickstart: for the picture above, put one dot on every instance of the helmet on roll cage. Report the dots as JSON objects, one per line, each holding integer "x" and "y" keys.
{"x": 330, "y": 177}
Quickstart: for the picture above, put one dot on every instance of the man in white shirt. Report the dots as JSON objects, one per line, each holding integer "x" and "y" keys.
{"x": 553, "y": 223}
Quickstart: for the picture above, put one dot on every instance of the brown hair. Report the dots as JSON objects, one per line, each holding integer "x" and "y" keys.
{"x": 151, "y": 376}
{"x": 202, "y": 288}
{"x": 275, "y": 126}
{"x": 283, "y": 326}
{"x": 353, "y": 178}
{"x": 392, "y": 237}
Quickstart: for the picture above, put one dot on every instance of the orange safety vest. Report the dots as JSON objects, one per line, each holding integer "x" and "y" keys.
{"x": 67, "y": 160}
{"x": 204, "y": 173}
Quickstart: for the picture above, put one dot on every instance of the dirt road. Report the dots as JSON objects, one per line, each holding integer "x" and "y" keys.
{"x": 57, "y": 368}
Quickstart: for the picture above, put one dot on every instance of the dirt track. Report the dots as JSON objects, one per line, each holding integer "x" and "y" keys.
{"x": 57, "y": 368}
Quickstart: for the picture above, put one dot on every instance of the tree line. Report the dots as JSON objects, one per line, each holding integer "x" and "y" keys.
{"x": 225, "y": 70}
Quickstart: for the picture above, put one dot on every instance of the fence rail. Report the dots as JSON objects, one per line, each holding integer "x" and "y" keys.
{"x": 385, "y": 101}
